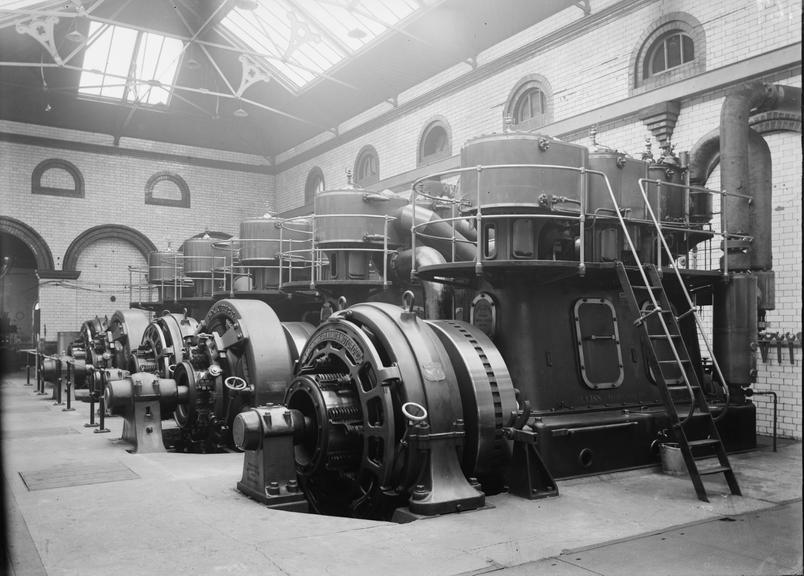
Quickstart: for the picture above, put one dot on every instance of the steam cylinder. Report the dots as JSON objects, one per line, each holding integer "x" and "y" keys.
{"x": 164, "y": 266}
{"x": 735, "y": 329}
{"x": 198, "y": 257}
{"x": 259, "y": 239}
{"x": 517, "y": 187}
{"x": 354, "y": 216}
{"x": 623, "y": 174}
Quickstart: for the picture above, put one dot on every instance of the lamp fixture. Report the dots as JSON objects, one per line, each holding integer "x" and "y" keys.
{"x": 75, "y": 36}
{"x": 240, "y": 113}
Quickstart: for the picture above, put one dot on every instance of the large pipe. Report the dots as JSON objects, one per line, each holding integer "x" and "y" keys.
{"x": 738, "y": 214}
{"x": 439, "y": 233}
{"x": 704, "y": 158}
{"x": 437, "y": 300}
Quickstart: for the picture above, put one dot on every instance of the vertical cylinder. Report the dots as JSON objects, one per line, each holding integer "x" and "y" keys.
{"x": 735, "y": 329}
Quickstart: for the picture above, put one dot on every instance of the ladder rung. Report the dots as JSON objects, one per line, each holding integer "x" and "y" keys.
{"x": 685, "y": 314}
{"x": 645, "y": 315}
{"x": 663, "y": 336}
{"x": 641, "y": 287}
{"x": 704, "y": 442}
{"x": 682, "y": 387}
{"x": 674, "y": 361}
{"x": 714, "y": 470}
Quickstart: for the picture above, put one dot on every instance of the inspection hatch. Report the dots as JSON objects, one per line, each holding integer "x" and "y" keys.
{"x": 65, "y": 476}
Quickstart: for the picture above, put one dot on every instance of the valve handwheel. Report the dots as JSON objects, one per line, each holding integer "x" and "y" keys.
{"x": 235, "y": 383}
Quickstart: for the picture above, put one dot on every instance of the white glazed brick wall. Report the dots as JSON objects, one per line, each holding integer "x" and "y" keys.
{"x": 115, "y": 194}
{"x": 585, "y": 72}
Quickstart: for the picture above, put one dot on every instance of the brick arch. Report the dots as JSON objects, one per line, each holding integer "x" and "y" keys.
{"x": 683, "y": 21}
{"x": 136, "y": 238}
{"x": 31, "y": 238}
{"x": 77, "y": 191}
{"x": 776, "y": 121}
{"x": 436, "y": 122}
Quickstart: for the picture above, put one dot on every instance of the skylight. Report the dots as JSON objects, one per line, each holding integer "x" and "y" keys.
{"x": 128, "y": 65}
{"x": 303, "y": 39}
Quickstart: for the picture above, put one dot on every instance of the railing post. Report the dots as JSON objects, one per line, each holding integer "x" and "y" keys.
{"x": 659, "y": 226}
{"x": 413, "y": 232}
{"x": 314, "y": 258}
{"x": 479, "y": 224}
{"x": 582, "y": 221}
{"x": 58, "y": 384}
{"x": 385, "y": 253}
{"x": 69, "y": 388}
{"x": 102, "y": 429}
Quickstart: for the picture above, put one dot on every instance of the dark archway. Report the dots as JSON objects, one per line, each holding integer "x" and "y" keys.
{"x": 136, "y": 238}
{"x": 31, "y": 238}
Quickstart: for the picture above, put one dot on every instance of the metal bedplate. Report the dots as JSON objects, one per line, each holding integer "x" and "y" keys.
{"x": 64, "y": 476}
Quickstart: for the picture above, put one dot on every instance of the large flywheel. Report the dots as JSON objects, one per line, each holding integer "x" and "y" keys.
{"x": 125, "y": 330}
{"x": 243, "y": 356}
{"x": 371, "y": 380}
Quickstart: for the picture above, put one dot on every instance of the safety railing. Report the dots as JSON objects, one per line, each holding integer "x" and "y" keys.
{"x": 672, "y": 264}
{"x": 475, "y": 212}
{"x": 315, "y": 257}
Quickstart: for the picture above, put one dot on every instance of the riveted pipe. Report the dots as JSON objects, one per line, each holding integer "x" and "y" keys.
{"x": 741, "y": 215}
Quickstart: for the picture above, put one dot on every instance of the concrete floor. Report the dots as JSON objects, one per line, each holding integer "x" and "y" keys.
{"x": 178, "y": 514}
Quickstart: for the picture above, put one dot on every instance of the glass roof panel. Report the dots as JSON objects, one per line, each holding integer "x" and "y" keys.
{"x": 122, "y": 63}
{"x": 303, "y": 39}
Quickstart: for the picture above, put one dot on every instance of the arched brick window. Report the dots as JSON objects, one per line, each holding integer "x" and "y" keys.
{"x": 314, "y": 184}
{"x": 435, "y": 142}
{"x": 57, "y": 177}
{"x": 530, "y": 103}
{"x": 367, "y": 167}
{"x": 167, "y": 189}
{"x": 671, "y": 49}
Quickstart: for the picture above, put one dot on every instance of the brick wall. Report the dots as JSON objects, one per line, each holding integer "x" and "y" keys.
{"x": 115, "y": 194}
{"x": 587, "y": 68}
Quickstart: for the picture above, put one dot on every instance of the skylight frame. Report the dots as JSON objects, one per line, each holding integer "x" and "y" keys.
{"x": 267, "y": 30}
{"x": 125, "y": 82}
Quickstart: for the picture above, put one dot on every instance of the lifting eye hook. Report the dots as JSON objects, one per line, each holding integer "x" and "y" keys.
{"x": 416, "y": 407}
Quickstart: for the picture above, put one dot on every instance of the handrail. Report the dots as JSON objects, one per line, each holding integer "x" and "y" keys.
{"x": 580, "y": 215}
{"x": 645, "y": 279}
{"x": 699, "y": 324}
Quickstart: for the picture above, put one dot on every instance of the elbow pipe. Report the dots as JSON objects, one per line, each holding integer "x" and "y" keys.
{"x": 739, "y": 215}
{"x": 439, "y": 233}
{"x": 704, "y": 158}
{"x": 437, "y": 296}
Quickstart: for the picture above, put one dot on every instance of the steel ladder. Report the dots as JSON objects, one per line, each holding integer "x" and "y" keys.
{"x": 672, "y": 367}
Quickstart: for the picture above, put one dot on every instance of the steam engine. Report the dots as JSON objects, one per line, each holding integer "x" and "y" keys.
{"x": 538, "y": 321}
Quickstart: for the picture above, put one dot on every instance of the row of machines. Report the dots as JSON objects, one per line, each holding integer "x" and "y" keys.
{"x": 466, "y": 339}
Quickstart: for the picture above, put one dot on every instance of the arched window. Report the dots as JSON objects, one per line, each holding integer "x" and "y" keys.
{"x": 314, "y": 185}
{"x": 367, "y": 167}
{"x": 529, "y": 104}
{"x": 57, "y": 177}
{"x": 671, "y": 49}
{"x": 435, "y": 142}
{"x": 167, "y": 189}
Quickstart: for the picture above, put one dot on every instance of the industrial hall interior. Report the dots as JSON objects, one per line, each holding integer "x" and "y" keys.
{"x": 401, "y": 287}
